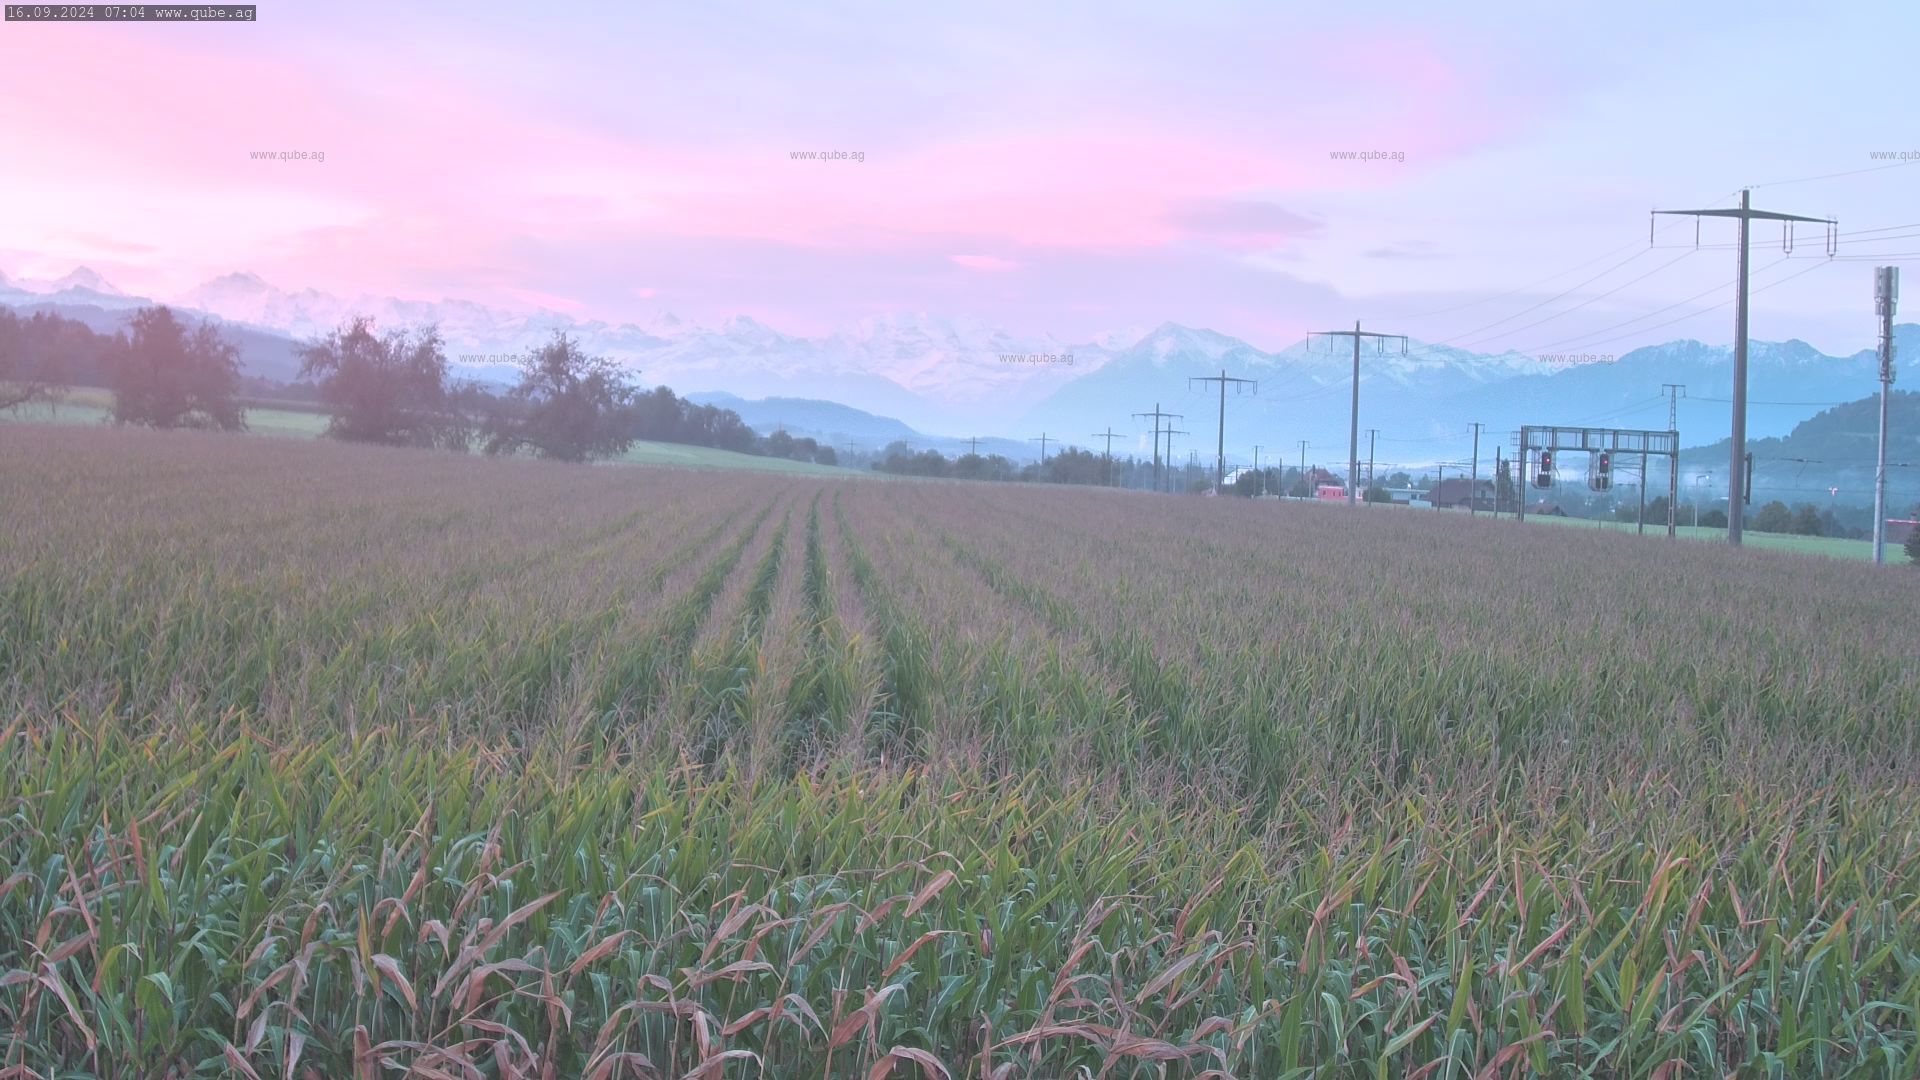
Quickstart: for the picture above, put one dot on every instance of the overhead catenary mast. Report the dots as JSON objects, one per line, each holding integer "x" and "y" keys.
{"x": 1220, "y": 467}
{"x": 1158, "y": 431}
{"x": 1738, "y": 482}
{"x": 1108, "y": 435}
{"x": 1353, "y": 431}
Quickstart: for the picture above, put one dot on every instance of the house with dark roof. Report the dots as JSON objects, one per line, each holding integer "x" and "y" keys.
{"x": 1454, "y": 494}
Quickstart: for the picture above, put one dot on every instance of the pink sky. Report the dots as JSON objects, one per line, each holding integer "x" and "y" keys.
{"x": 1058, "y": 172}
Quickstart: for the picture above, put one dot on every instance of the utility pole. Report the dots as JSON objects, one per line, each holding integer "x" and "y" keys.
{"x": 973, "y": 446}
{"x": 1674, "y": 392}
{"x": 1043, "y": 440}
{"x": 1473, "y": 485}
{"x": 1747, "y": 215}
{"x": 1108, "y": 435}
{"x": 1372, "y": 433}
{"x": 1886, "y": 297}
{"x": 1259, "y": 488}
{"x": 1303, "y": 469}
{"x": 1158, "y": 431}
{"x": 1170, "y": 434}
{"x": 1353, "y": 430}
{"x": 1220, "y": 466}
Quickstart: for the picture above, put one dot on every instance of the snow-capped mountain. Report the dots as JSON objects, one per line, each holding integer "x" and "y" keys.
{"x": 81, "y": 285}
{"x": 960, "y": 375}
{"x": 1424, "y": 401}
{"x": 925, "y": 369}
{"x": 80, "y": 277}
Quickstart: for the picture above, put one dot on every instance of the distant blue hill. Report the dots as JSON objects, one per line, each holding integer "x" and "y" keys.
{"x": 837, "y": 425}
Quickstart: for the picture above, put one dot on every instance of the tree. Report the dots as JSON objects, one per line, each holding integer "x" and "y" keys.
{"x": 1913, "y": 542}
{"x": 568, "y": 406}
{"x": 390, "y": 390}
{"x": 1806, "y": 520}
{"x": 1397, "y": 480}
{"x": 27, "y": 374}
{"x": 1076, "y": 466}
{"x": 1774, "y": 518}
{"x": 169, "y": 378}
{"x": 1378, "y": 494}
{"x": 1830, "y": 524}
{"x": 1713, "y": 519}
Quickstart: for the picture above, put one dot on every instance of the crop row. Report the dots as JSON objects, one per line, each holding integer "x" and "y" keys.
{"x": 319, "y": 760}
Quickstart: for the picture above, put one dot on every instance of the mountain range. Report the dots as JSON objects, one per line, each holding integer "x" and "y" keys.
{"x": 959, "y": 376}
{"x": 1827, "y": 457}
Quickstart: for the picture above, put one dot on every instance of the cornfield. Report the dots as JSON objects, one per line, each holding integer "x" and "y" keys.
{"x": 329, "y": 761}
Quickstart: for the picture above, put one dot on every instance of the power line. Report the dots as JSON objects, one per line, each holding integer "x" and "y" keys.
{"x": 1477, "y": 331}
{"x": 1705, "y": 310}
{"x": 1729, "y": 401}
{"x": 1830, "y": 176}
{"x": 1425, "y": 439}
{"x": 1660, "y": 311}
{"x": 1524, "y": 288}
{"x": 1860, "y": 237}
{"x": 1591, "y": 299}
{"x": 1856, "y": 240}
{"x": 1535, "y": 307}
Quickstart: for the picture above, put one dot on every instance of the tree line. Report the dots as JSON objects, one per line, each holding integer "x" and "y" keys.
{"x": 1073, "y": 465}
{"x": 392, "y": 388}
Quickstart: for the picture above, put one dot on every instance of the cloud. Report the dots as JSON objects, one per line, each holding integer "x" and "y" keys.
{"x": 547, "y": 300}
{"x": 1242, "y": 224}
{"x": 1412, "y": 249}
{"x": 989, "y": 263}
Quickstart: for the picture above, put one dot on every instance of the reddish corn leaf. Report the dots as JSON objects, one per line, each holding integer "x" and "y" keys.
{"x": 389, "y": 967}
{"x": 930, "y": 1066}
{"x": 365, "y": 1066}
{"x": 907, "y": 953}
{"x": 932, "y": 889}
{"x": 493, "y": 937}
{"x": 234, "y": 1059}
{"x": 597, "y": 953}
{"x": 715, "y": 1066}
